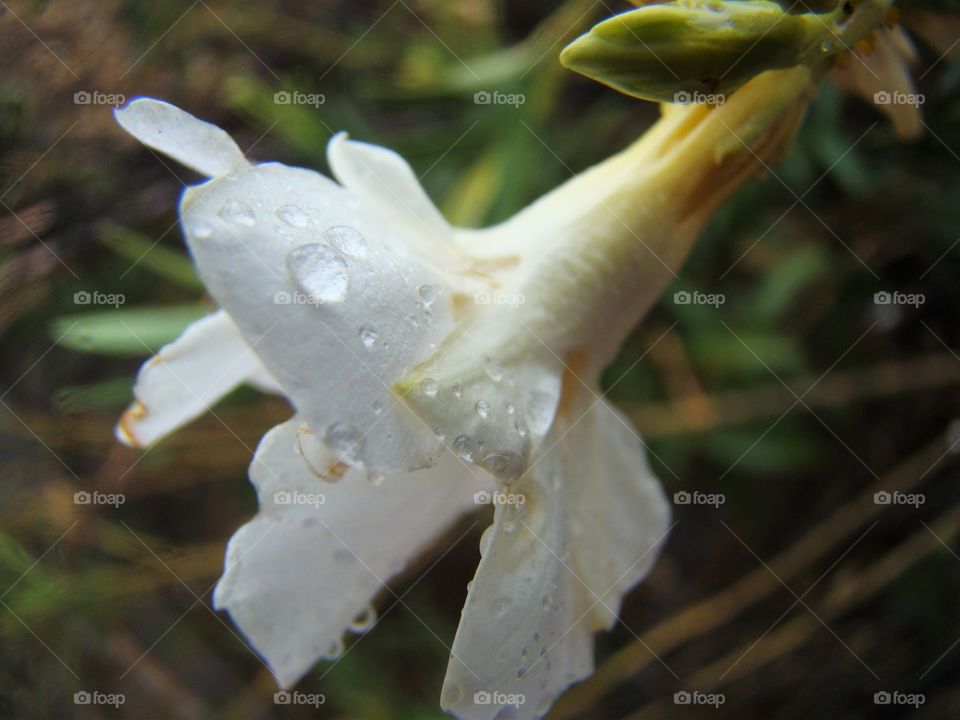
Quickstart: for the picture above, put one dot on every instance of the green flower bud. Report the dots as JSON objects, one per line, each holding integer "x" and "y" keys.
{"x": 689, "y": 49}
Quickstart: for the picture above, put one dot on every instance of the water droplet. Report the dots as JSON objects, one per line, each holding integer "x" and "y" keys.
{"x": 483, "y": 408}
{"x": 347, "y": 240}
{"x": 457, "y": 391}
{"x": 335, "y": 650}
{"x": 493, "y": 369}
{"x": 375, "y": 479}
{"x": 364, "y": 621}
{"x": 319, "y": 271}
{"x": 441, "y": 435}
{"x": 428, "y": 294}
{"x": 202, "y": 231}
{"x": 501, "y": 606}
{"x": 505, "y": 466}
{"x": 238, "y": 212}
{"x": 464, "y": 447}
{"x": 429, "y": 387}
{"x": 368, "y": 336}
{"x": 377, "y": 407}
{"x": 293, "y": 216}
{"x": 511, "y": 409}
{"x": 452, "y": 694}
{"x": 345, "y": 440}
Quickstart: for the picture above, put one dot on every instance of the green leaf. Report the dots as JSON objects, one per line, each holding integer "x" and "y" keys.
{"x": 130, "y": 332}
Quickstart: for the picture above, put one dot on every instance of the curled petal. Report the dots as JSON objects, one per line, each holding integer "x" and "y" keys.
{"x": 199, "y": 145}
{"x": 299, "y": 574}
{"x": 186, "y": 377}
{"x": 555, "y": 567}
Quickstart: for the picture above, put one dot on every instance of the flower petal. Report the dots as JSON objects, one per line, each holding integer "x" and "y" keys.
{"x": 307, "y": 266}
{"x": 186, "y": 377}
{"x": 199, "y": 145}
{"x": 387, "y": 180}
{"x": 299, "y": 574}
{"x": 555, "y": 568}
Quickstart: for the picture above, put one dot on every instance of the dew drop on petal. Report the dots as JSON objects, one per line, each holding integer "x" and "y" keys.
{"x": 501, "y": 606}
{"x": 238, "y": 212}
{"x": 345, "y": 440}
{"x": 377, "y": 407}
{"x": 483, "y": 408}
{"x": 364, "y": 621}
{"x": 428, "y": 294}
{"x": 347, "y": 240}
{"x": 493, "y": 369}
{"x": 319, "y": 271}
{"x": 202, "y": 231}
{"x": 486, "y": 539}
{"x": 457, "y": 391}
{"x": 429, "y": 387}
{"x": 293, "y": 216}
{"x": 505, "y": 466}
{"x": 368, "y": 336}
{"x": 464, "y": 447}
{"x": 335, "y": 650}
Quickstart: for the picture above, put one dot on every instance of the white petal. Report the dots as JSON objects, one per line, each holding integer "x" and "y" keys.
{"x": 299, "y": 573}
{"x": 192, "y": 142}
{"x": 386, "y": 179}
{"x": 189, "y": 375}
{"x": 318, "y": 275}
{"x": 555, "y": 569}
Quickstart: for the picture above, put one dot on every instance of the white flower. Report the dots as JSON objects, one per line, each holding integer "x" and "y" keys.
{"x": 383, "y": 327}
